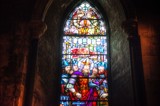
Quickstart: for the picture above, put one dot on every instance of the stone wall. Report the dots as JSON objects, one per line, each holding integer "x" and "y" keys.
{"x": 50, "y": 49}
{"x": 121, "y": 78}
{"x": 14, "y": 53}
{"x": 13, "y": 66}
{"x": 149, "y": 32}
{"x": 49, "y": 53}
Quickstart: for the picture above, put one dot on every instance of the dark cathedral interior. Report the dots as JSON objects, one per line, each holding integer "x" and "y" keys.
{"x": 30, "y": 51}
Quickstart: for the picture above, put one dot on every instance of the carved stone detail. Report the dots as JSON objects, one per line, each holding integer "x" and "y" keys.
{"x": 131, "y": 28}
{"x": 37, "y": 28}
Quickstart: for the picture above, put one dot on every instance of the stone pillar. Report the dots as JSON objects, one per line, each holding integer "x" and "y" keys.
{"x": 36, "y": 29}
{"x": 131, "y": 28}
{"x": 13, "y": 74}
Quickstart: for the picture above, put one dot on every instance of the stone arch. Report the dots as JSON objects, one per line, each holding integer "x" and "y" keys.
{"x": 49, "y": 50}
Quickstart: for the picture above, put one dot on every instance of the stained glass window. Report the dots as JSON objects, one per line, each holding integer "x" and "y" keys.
{"x": 84, "y": 79}
{"x": 85, "y": 20}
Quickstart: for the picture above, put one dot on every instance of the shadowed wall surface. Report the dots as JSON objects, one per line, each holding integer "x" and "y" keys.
{"x": 50, "y": 44}
{"x": 15, "y": 39}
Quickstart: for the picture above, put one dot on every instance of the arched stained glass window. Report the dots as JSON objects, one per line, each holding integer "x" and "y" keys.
{"x": 84, "y": 58}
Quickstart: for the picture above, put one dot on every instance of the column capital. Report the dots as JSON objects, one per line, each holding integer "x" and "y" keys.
{"x": 130, "y": 26}
{"x": 37, "y": 28}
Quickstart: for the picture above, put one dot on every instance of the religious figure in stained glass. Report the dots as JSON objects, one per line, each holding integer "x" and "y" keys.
{"x": 85, "y": 20}
{"x": 85, "y": 59}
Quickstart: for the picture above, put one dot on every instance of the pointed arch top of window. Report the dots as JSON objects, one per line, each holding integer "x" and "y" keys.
{"x": 85, "y": 20}
{"x": 85, "y": 11}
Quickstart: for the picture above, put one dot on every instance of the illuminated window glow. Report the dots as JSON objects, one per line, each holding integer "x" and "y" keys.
{"x": 85, "y": 20}
{"x": 84, "y": 79}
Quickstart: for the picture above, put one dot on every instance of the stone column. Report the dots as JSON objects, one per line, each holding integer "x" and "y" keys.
{"x": 131, "y": 28}
{"x": 13, "y": 74}
{"x": 36, "y": 29}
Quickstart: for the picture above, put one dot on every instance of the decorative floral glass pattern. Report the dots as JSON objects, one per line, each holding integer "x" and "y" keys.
{"x": 85, "y": 11}
{"x": 85, "y": 20}
{"x": 84, "y": 79}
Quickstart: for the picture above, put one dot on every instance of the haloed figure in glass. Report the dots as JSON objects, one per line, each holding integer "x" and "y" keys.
{"x": 75, "y": 65}
{"x": 66, "y": 73}
{"x": 103, "y": 84}
{"x": 94, "y": 86}
{"x": 87, "y": 86}
{"x": 84, "y": 79}
{"x": 78, "y": 84}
